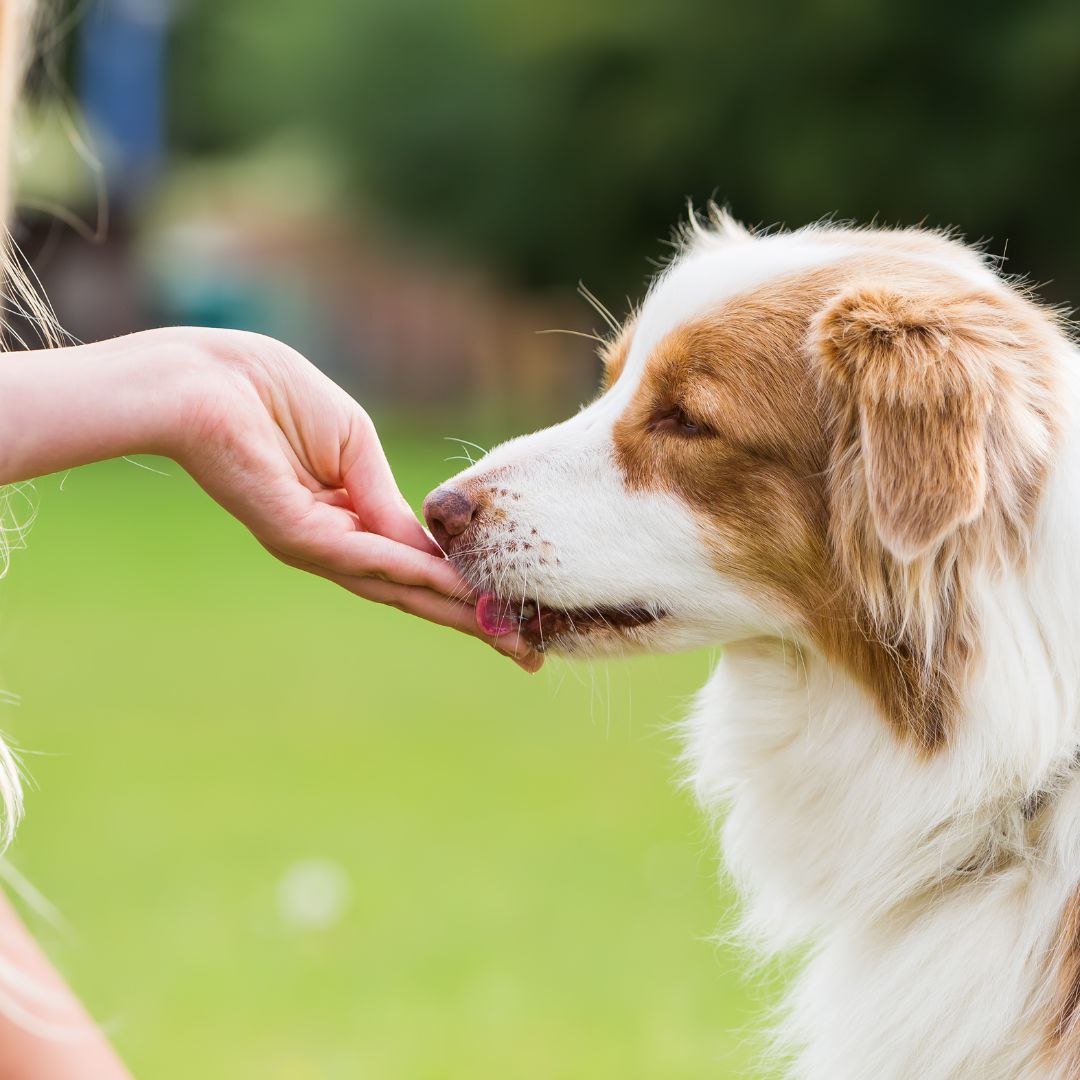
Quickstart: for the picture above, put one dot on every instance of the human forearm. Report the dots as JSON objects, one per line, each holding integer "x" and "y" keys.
{"x": 65, "y": 407}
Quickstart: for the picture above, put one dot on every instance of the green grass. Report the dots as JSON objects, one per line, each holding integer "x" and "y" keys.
{"x": 530, "y": 894}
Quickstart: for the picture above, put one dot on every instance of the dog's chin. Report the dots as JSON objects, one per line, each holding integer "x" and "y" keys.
{"x": 586, "y": 630}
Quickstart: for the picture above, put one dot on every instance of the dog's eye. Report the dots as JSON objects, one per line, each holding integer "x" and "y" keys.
{"x": 675, "y": 421}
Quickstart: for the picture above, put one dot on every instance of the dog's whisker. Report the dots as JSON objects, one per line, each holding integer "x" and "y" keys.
{"x": 475, "y": 551}
{"x": 574, "y": 333}
{"x": 465, "y": 442}
{"x": 598, "y": 307}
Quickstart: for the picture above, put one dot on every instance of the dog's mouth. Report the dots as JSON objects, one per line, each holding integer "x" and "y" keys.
{"x": 541, "y": 625}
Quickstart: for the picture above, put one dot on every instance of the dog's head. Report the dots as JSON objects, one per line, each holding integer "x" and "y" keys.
{"x": 819, "y": 435}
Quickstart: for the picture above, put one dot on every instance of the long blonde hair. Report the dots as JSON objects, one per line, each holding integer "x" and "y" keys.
{"x": 19, "y": 294}
{"x": 16, "y": 18}
{"x": 16, "y": 506}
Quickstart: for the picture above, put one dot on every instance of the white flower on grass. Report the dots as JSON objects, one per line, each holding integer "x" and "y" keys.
{"x": 313, "y": 894}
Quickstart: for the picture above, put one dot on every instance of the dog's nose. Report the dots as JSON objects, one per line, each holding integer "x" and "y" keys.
{"x": 449, "y": 513}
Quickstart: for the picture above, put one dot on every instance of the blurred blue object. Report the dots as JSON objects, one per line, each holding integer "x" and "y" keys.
{"x": 121, "y": 85}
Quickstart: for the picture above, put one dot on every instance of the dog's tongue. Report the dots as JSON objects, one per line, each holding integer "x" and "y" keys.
{"x": 493, "y": 616}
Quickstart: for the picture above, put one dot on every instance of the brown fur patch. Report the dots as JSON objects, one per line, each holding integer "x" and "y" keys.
{"x": 918, "y": 371}
{"x": 853, "y": 449}
{"x": 1063, "y": 1026}
{"x": 613, "y": 355}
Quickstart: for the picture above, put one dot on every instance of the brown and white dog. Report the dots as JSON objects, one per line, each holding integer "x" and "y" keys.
{"x": 850, "y": 457}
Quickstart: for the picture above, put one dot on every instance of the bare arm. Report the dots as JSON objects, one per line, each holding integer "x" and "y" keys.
{"x": 56, "y": 1040}
{"x": 273, "y": 440}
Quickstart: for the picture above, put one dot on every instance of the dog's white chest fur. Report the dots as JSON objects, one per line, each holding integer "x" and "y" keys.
{"x": 928, "y": 900}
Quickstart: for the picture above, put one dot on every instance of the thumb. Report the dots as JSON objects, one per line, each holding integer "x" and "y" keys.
{"x": 373, "y": 492}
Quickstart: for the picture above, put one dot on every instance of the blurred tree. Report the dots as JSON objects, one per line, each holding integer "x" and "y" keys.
{"x": 561, "y": 140}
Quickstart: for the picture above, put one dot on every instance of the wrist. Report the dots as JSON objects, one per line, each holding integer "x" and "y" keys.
{"x": 206, "y": 374}
{"x": 178, "y": 375}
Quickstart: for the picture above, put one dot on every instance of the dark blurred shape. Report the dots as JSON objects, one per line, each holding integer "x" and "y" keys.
{"x": 409, "y": 191}
{"x": 559, "y": 141}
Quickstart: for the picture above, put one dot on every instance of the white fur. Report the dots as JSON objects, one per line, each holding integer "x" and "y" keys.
{"x": 842, "y": 840}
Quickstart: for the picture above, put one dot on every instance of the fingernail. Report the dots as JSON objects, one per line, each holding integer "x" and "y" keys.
{"x": 514, "y": 649}
{"x": 529, "y": 661}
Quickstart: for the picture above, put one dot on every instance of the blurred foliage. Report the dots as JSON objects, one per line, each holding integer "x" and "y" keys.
{"x": 561, "y": 140}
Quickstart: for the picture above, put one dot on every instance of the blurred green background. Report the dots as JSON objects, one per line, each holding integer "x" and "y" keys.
{"x": 297, "y": 836}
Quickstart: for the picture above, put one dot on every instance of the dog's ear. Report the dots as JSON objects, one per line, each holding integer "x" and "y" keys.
{"x": 913, "y": 374}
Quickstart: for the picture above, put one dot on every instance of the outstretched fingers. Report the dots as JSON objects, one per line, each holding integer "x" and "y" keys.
{"x": 329, "y": 538}
{"x": 369, "y": 555}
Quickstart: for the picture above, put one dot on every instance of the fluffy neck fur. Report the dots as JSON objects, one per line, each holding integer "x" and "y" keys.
{"x": 933, "y": 893}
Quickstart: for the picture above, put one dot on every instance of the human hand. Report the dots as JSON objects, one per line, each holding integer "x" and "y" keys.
{"x": 299, "y": 462}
